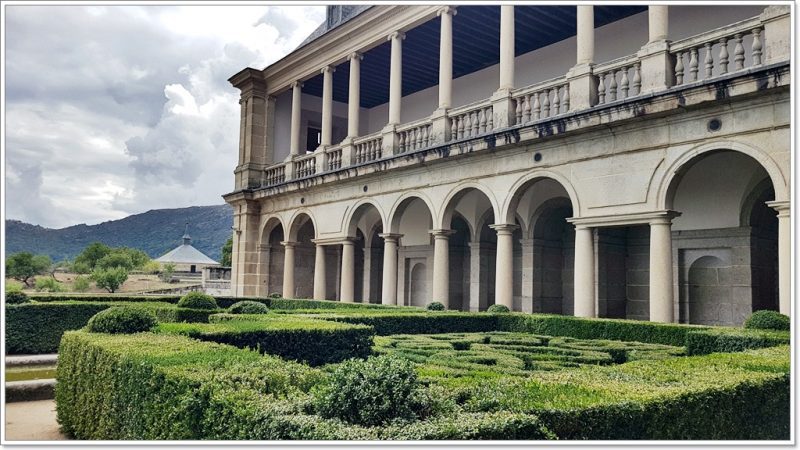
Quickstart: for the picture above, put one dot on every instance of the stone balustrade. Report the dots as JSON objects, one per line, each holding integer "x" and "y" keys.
{"x": 334, "y": 158}
{"x": 414, "y": 136}
{"x": 305, "y": 166}
{"x": 368, "y": 148}
{"x": 719, "y": 51}
{"x": 541, "y": 101}
{"x": 275, "y": 175}
{"x": 470, "y": 121}
{"x": 618, "y": 79}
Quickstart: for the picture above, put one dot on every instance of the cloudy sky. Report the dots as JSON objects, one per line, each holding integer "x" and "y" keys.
{"x": 116, "y": 110}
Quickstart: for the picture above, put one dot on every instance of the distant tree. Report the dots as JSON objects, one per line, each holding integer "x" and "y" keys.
{"x": 151, "y": 267}
{"x": 138, "y": 258}
{"x": 110, "y": 279}
{"x": 81, "y": 284}
{"x": 91, "y": 254}
{"x": 114, "y": 259}
{"x": 227, "y": 250}
{"x": 24, "y": 265}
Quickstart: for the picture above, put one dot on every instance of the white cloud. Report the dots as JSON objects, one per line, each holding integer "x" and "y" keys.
{"x": 138, "y": 114}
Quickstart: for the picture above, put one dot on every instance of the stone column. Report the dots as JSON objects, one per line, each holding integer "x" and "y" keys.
{"x": 441, "y": 266}
{"x": 244, "y": 254}
{"x": 319, "y": 273}
{"x": 446, "y": 57}
{"x": 784, "y": 255}
{"x": 255, "y": 132}
{"x": 658, "y": 22}
{"x": 327, "y": 106}
{"x": 288, "y": 268}
{"x": 585, "y": 35}
{"x": 366, "y": 275}
{"x": 263, "y": 270}
{"x": 354, "y": 93}
{"x": 506, "y": 47}
{"x": 389, "y": 294}
{"x": 475, "y": 276}
{"x": 504, "y": 278}
{"x": 527, "y": 275}
{"x": 396, "y": 77}
{"x": 584, "y": 272}
{"x": 661, "y": 287}
{"x": 348, "y": 272}
{"x": 294, "y": 143}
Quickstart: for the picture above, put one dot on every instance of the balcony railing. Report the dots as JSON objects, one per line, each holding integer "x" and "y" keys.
{"x": 708, "y": 55}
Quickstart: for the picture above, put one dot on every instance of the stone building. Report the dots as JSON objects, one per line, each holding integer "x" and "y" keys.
{"x": 610, "y": 160}
{"x": 186, "y": 258}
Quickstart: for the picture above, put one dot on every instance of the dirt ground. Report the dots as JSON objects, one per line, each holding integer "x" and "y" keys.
{"x": 136, "y": 283}
{"x": 32, "y": 421}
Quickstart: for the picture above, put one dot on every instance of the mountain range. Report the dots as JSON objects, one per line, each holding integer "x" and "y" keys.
{"x": 155, "y": 232}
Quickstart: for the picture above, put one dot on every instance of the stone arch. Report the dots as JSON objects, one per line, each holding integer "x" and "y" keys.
{"x": 298, "y": 219}
{"x": 509, "y": 209}
{"x": 357, "y": 211}
{"x": 673, "y": 174}
{"x": 418, "y": 285}
{"x": 396, "y": 212}
{"x": 270, "y": 256}
{"x": 270, "y": 223}
{"x": 456, "y": 194}
{"x": 706, "y": 292}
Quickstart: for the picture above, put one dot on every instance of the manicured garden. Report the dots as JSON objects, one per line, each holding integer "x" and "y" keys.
{"x": 286, "y": 369}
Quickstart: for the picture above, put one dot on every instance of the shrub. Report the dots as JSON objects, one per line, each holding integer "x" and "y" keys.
{"x": 498, "y": 309}
{"x": 110, "y": 279}
{"x": 49, "y": 284}
{"x": 416, "y": 323}
{"x": 34, "y": 328}
{"x": 16, "y": 298}
{"x": 312, "y": 341}
{"x": 435, "y": 306}
{"x": 197, "y": 300}
{"x": 767, "y": 320}
{"x": 373, "y": 392}
{"x": 166, "y": 272}
{"x": 81, "y": 283}
{"x": 151, "y": 267}
{"x": 13, "y": 286}
{"x": 122, "y": 320}
{"x": 275, "y": 295}
{"x": 248, "y": 307}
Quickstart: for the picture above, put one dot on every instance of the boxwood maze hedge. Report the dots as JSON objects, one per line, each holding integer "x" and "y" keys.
{"x": 163, "y": 386}
{"x": 314, "y": 342}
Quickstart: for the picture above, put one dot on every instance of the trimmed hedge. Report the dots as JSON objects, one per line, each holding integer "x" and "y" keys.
{"x": 34, "y": 328}
{"x": 314, "y": 342}
{"x": 414, "y": 323}
{"x": 16, "y": 298}
{"x": 149, "y": 386}
{"x": 248, "y": 307}
{"x": 582, "y": 328}
{"x": 733, "y": 340}
{"x": 197, "y": 300}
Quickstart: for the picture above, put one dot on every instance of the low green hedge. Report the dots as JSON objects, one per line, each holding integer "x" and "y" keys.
{"x": 314, "y": 342}
{"x": 150, "y": 386}
{"x": 34, "y": 328}
{"x": 582, "y": 328}
{"x": 733, "y": 340}
{"x": 414, "y": 323}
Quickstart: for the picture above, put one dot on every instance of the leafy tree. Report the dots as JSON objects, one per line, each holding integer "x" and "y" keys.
{"x": 114, "y": 259}
{"x": 91, "y": 254}
{"x": 110, "y": 279}
{"x": 23, "y": 266}
{"x": 151, "y": 267}
{"x": 227, "y": 250}
{"x": 138, "y": 258}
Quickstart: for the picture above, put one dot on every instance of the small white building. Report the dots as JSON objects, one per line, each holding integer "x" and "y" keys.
{"x": 186, "y": 258}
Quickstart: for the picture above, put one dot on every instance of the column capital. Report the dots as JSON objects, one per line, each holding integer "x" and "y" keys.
{"x": 783, "y": 207}
{"x": 441, "y": 233}
{"x": 296, "y": 84}
{"x": 664, "y": 218}
{"x": 329, "y": 68}
{"x": 390, "y": 237}
{"x": 348, "y": 241}
{"x": 320, "y": 242}
{"x": 451, "y": 10}
{"x": 355, "y": 55}
{"x": 397, "y": 35}
{"x": 289, "y": 244}
{"x": 504, "y": 228}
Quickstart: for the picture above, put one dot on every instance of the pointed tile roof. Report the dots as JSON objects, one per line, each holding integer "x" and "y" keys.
{"x": 186, "y": 253}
